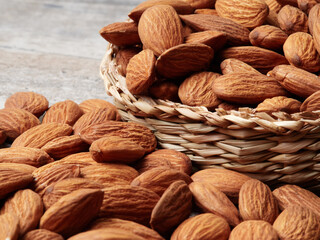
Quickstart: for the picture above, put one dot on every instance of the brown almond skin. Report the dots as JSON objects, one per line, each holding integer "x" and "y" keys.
{"x": 296, "y": 222}
{"x": 116, "y": 149}
{"x": 197, "y": 90}
{"x": 182, "y": 7}
{"x": 38, "y": 136}
{"x": 256, "y": 202}
{"x": 296, "y": 80}
{"x": 231, "y": 65}
{"x": 255, "y": 12}
{"x": 121, "y": 33}
{"x": 236, "y": 33}
{"x": 130, "y": 226}
{"x": 133, "y": 131}
{"x": 208, "y": 11}
{"x": 306, "y": 5}
{"x": 3, "y": 137}
{"x": 267, "y": 36}
{"x": 246, "y": 88}
{"x": 106, "y": 234}
{"x": 166, "y": 90}
{"x": 313, "y": 17}
{"x": 316, "y": 31}
{"x": 211, "y": 199}
{"x": 12, "y": 180}
{"x": 123, "y": 57}
{"x": 198, "y": 4}
{"x": 27, "y": 206}
{"x": 160, "y": 28}
{"x": 95, "y": 103}
{"x": 300, "y": 51}
{"x": 126, "y": 202}
{"x": 67, "y": 112}
{"x": 98, "y": 115}
{"x": 173, "y": 207}
{"x": 15, "y": 121}
{"x": 292, "y": 19}
{"x": 253, "y": 230}
{"x": 42, "y": 234}
{"x": 311, "y": 103}
{"x": 141, "y": 72}
{"x": 25, "y": 155}
{"x": 32, "y": 102}
{"x": 165, "y": 158}
{"x": 9, "y": 226}
{"x": 19, "y": 167}
{"x": 261, "y": 59}
{"x": 181, "y": 60}
{"x": 288, "y": 2}
{"x": 205, "y": 226}
{"x": 288, "y": 195}
{"x": 281, "y": 103}
{"x": 61, "y": 188}
{"x": 214, "y": 39}
{"x": 159, "y": 179}
{"x": 63, "y": 146}
{"x": 109, "y": 174}
{"x": 273, "y": 5}
{"x": 72, "y": 212}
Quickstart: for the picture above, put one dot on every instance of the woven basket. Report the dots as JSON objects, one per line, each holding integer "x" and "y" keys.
{"x": 278, "y": 149}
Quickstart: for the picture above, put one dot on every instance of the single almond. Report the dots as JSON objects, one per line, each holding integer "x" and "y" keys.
{"x": 106, "y": 234}
{"x": 18, "y": 167}
{"x": 95, "y": 103}
{"x": 274, "y": 5}
{"x": 32, "y": 102}
{"x": 42, "y": 234}
{"x": 214, "y": 39}
{"x": 277, "y": 104}
{"x": 123, "y": 57}
{"x": 292, "y": 19}
{"x": 9, "y": 226}
{"x": 203, "y": 226}
{"x": 311, "y": 103}
{"x": 316, "y": 30}
{"x": 313, "y": 17}
{"x": 231, "y": 65}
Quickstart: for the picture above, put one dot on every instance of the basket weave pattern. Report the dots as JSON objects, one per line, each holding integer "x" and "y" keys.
{"x": 278, "y": 148}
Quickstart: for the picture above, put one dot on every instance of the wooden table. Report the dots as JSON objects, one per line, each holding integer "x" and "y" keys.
{"x": 53, "y": 47}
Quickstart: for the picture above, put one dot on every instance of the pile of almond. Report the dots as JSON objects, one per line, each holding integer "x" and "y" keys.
{"x": 80, "y": 173}
{"x": 264, "y": 54}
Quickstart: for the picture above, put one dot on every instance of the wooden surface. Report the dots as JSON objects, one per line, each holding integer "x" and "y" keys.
{"x": 53, "y": 47}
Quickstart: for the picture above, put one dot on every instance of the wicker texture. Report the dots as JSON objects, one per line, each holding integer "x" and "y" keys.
{"x": 277, "y": 148}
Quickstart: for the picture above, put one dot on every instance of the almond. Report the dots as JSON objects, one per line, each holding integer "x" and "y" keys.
{"x": 288, "y": 2}
{"x": 18, "y": 167}
{"x": 98, "y": 115}
{"x": 306, "y": 5}
{"x": 95, "y": 103}
{"x": 109, "y": 174}
{"x": 106, "y": 234}
{"x": 123, "y": 57}
{"x": 214, "y": 39}
{"x": 261, "y": 59}
{"x": 208, "y": 11}
{"x": 181, "y": 6}
{"x": 133, "y": 131}
{"x": 165, "y": 90}
{"x": 42, "y": 234}
{"x": 253, "y": 230}
{"x": 38, "y": 136}
{"x": 246, "y": 88}
{"x": 202, "y": 226}
{"x": 247, "y": 13}
{"x": 32, "y": 102}
{"x": 12, "y": 180}
{"x": 27, "y": 206}
{"x": 201, "y": 3}
{"x": 288, "y": 195}
{"x": 267, "y": 36}
{"x": 316, "y": 32}
{"x": 181, "y": 60}
{"x": 300, "y": 51}
{"x": 15, "y": 121}
{"x": 130, "y": 226}
{"x": 256, "y": 202}
{"x": 9, "y": 226}
{"x": 160, "y": 28}
{"x": 277, "y": 104}
{"x": 296, "y": 222}
{"x": 66, "y": 112}
{"x": 72, "y": 212}
{"x": 292, "y": 19}
{"x": 228, "y": 106}
{"x": 165, "y": 158}
{"x": 211, "y": 199}
{"x": 129, "y": 203}
{"x": 296, "y": 80}
{"x": 231, "y": 65}
{"x": 311, "y": 103}
{"x": 236, "y": 33}
{"x": 25, "y": 155}
{"x": 121, "y": 33}
{"x": 196, "y": 90}
{"x": 313, "y": 17}
{"x": 116, "y": 149}
{"x": 59, "y": 189}
{"x": 173, "y": 207}
{"x": 273, "y": 5}
{"x": 159, "y": 179}
{"x": 141, "y": 72}
{"x": 63, "y": 146}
